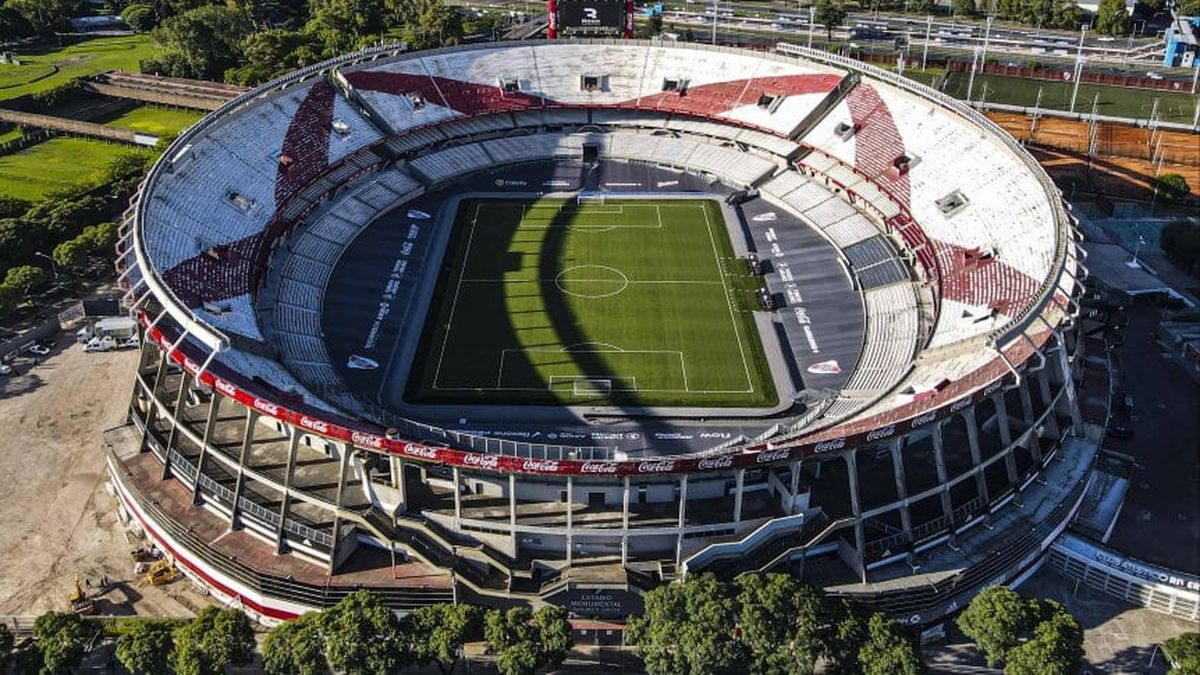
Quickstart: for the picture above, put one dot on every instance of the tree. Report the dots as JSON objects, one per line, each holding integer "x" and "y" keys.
{"x": 363, "y": 636}
{"x": 60, "y": 638}
{"x": 922, "y": 6}
{"x": 553, "y": 635}
{"x": 849, "y": 622}
{"x": 525, "y": 642}
{"x": 12, "y": 207}
{"x": 201, "y": 43}
{"x": 437, "y": 633}
{"x": 100, "y": 238}
{"x": 996, "y": 620}
{"x": 214, "y": 640}
{"x": 1112, "y": 18}
{"x": 1056, "y": 647}
{"x": 272, "y": 53}
{"x": 145, "y": 649}
{"x": 71, "y": 254}
{"x": 889, "y": 649}
{"x": 781, "y": 621}
{"x": 1171, "y": 187}
{"x": 26, "y": 279}
{"x": 9, "y": 298}
{"x": 19, "y": 240}
{"x": 43, "y": 15}
{"x": 830, "y": 14}
{"x": 435, "y": 24}
{"x": 295, "y": 648}
{"x": 64, "y": 218}
{"x": 963, "y": 7}
{"x": 688, "y": 629}
{"x": 341, "y": 24}
{"x": 14, "y": 25}
{"x": 140, "y": 17}
{"x": 1183, "y": 654}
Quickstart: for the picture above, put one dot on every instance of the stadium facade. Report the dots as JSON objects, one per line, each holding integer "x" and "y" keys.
{"x": 928, "y": 443}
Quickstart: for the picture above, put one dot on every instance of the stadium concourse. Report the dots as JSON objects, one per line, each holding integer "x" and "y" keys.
{"x": 871, "y": 287}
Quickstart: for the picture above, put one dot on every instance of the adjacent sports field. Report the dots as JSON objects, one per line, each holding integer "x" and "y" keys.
{"x": 628, "y": 302}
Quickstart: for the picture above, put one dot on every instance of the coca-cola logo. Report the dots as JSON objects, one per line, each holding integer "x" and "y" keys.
{"x": 661, "y": 466}
{"x": 422, "y": 451}
{"x": 190, "y": 365}
{"x": 225, "y": 388}
{"x": 774, "y": 456}
{"x": 481, "y": 461}
{"x": 923, "y": 419}
{"x": 710, "y": 463}
{"x": 541, "y": 466}
{"x": 266, "y": 406}
{"x": 960, "y": 404}
{"x": 876, "y": 434}
{"x": 318, "y": 426}
{"x": 991, "y": 388}
{"x": 598, "y": 467}
{"x": 363, "y": 440}
{"x": 830, "y": 445}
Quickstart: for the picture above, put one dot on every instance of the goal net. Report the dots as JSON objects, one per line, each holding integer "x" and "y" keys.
{"x": 590, "y": 387}
{"x": 590, "y": 198}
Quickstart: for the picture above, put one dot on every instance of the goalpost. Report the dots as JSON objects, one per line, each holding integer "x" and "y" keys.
{"x": 587, "y": 386}
{"x": 590, "y": 198}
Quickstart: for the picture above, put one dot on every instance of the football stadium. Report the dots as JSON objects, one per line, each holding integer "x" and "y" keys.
{"x": 561, "y": 321}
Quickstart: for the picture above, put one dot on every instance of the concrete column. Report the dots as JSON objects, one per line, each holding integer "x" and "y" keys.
{"x": 173, "y": 437}
{"x": 981, "y": 487}
{"x": 1035, "y": 446}
{"x": 512, "y": 510}
{"x": 214, "y": 413}
{"x": 337, "y": 503}
{"x": 288, "y": 473}
{"x": 1070, "y": 398}
{"x": 153, "y": 412}
{"x": 247, "y": 441}
{"x": 1043, "y": 377}
{"x": 683, "y": 485}
{"x": 901, "y": 488}
{"x": 570, "y": 518}
{"x": 860, "y": 539}
{"x": 625, "y": 523}
{"x": 1002, "y": 418}
{"x": 454, "y": 474}
{"x": 400, "y": 484}
{"x": 737, "y": 495}
{"x": 939, "y": 460}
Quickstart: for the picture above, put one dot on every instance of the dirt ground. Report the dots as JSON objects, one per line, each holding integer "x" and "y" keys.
{"x": 56, "y": 518}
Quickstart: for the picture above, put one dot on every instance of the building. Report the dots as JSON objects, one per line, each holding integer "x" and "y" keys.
{"x": 927, "y": 442}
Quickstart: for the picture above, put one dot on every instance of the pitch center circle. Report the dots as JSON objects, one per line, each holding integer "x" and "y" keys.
{"x": 591, "y": 281}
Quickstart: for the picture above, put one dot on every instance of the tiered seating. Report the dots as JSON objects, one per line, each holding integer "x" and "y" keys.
{"x": 891, "y": 339}
{"x": 739, "y": 167}
{"x": 456, "y": 161}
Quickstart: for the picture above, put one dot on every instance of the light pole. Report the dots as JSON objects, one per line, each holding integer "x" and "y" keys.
{"x": 716, "y": 8}
{"x": 987, "y": 33}
{"x": 812, "y": 17}
{"x": 1136, "y": 250}
{"x": 971, "y": 79}
{"x": 53, "y": 267}
{"x": 1078, "y": 66}
{"x": 925, "y": 51}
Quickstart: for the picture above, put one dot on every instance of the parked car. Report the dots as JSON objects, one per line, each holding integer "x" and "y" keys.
{"x": 36, "y": 349}
{"x": 5, "y": 369}
{"x": 100, "y": 344}
{"x": 130, "y": 342}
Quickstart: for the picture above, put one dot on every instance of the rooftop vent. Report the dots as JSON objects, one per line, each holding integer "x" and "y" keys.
{"x": 844, "y": 131}
{"x": 952, "y": 203}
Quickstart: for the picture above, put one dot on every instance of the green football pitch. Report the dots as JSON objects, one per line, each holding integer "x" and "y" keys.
{"x": 569, "y": 302}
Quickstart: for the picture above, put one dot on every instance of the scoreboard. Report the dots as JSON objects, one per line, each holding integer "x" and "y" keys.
{"x": 590, "y": 18}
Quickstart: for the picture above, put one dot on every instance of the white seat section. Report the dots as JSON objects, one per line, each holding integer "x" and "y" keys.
{"x": 892, "y": 326}
{"x": 351, "y": 131}
{"x": 486, "y": 66}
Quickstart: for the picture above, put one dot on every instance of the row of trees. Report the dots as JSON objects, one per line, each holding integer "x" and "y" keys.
{"x": 769, "y": 623}
{"x": 248, "y": 42}
{"x": 70, "y": 227}
{"x": 361, "y": 635}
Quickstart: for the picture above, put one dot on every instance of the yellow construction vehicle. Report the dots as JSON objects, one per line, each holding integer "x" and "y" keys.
{"x": 162, "y": 572}
{"x": 80, "y": 602}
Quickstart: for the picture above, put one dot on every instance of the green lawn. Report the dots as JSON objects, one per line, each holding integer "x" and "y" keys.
{"x": 1115, "y": 101}
{"x": 56, "y": 164}
{"x": 48, "y": 69}
{"x": 156, "y": 121}
{"x": 629, "y": 302}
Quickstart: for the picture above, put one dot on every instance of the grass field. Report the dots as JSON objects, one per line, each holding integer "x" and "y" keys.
{"x": 1115, "y": 101}
{"x": 55, "y": 164}
{"x": 156, "y": 121}
{"x": 628, "y": 302}
{"x": 47, "y": 69}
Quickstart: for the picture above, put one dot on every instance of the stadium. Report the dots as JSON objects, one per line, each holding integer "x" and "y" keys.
{"x": 560, "y": 321}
